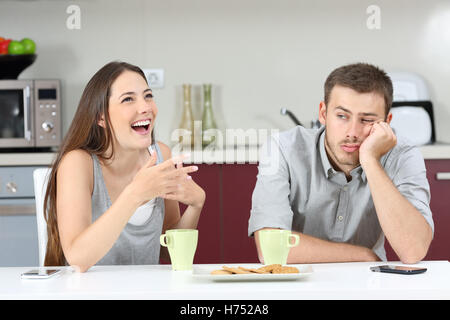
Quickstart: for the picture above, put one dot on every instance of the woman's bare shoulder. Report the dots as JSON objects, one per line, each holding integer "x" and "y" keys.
{"x": 77, "y": 163}
{"x": 77, "y": 157}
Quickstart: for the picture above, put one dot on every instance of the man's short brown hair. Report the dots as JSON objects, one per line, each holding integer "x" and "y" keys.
{"x": 363, "y": 78}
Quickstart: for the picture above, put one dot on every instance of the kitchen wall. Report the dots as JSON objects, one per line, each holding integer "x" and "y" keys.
{"x": 259, "y": 55}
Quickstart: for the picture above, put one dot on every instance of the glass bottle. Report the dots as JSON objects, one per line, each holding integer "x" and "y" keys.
{"x": 187, "y": 119}
{"x": 208, "y": 121}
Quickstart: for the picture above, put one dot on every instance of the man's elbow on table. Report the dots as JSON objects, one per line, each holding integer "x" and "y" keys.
{"x": 411, "y": 258}
{"x": 414, "y": 253}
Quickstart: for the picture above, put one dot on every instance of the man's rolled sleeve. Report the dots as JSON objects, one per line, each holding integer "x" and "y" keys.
{"x": 411, "y": 181}
{"x": 270, "y": 199}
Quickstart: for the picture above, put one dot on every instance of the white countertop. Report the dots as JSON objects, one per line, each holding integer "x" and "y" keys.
{"x": 237, "y": 155}
{"x": 436, "y": 151}
{"x": 27, "y": 159}
{"x": 159, "y": 282}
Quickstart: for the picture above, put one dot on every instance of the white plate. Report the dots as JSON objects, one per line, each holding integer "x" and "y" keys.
{"x": 203, "y": 272}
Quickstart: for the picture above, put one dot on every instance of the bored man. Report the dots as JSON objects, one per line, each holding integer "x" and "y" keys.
{"x": 346, "y": 186}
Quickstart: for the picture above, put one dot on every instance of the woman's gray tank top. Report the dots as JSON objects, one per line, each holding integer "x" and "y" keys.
{"x": 137, "y": 244}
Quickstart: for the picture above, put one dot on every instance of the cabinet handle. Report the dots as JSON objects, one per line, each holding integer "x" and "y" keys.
{"x": 443, "y": 176}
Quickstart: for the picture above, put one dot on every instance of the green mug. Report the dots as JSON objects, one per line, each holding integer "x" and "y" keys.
{"x": 275, "y": 245}
{"x": 182, "y": 244}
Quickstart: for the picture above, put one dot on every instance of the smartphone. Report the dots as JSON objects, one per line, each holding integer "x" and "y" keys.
{"x": 398, "y": 269}
{"x": 40, "y": 273}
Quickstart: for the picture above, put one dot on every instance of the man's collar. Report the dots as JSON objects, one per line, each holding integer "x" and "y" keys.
{"x": 327, "y": 168}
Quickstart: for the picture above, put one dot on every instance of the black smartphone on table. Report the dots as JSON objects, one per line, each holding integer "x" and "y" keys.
{"x": 40, "y": 273}
{"x": 398, "y": 269}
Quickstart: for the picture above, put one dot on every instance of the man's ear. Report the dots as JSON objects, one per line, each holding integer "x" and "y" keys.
{"x": 322, "y": 112}
{"x": 389, "y": 118}
{"x": 101, "y": 121}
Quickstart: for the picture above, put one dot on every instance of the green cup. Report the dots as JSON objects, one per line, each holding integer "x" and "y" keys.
{"x": 275, "y": 245}
{"x": 182, "y": 244}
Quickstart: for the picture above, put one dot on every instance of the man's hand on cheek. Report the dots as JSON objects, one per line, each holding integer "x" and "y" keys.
{"x": 380, "y": 140}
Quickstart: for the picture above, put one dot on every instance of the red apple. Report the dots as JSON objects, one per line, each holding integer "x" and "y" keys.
{"x": 4, "y": 46}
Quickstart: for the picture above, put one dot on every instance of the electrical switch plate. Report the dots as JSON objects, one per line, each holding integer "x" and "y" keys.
{"x": 155, "y": 78}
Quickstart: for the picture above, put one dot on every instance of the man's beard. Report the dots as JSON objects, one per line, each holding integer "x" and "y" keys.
{"x": 341, "y": 161}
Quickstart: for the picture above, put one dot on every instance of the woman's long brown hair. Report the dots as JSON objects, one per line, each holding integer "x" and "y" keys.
{"x": 84, "y": 133}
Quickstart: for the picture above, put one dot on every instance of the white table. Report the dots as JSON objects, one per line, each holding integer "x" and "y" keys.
{"x": 328, "y": 281}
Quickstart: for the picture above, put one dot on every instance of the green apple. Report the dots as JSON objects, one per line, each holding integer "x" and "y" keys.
{"x": 15, "y": 47}
{"x": 28, "y": 45}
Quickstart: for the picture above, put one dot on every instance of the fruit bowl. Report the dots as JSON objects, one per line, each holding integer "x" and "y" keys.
{"x": 12, "y": 65}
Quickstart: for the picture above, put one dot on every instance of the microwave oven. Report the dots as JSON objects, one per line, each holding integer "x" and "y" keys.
{"x": 30, "y": 114}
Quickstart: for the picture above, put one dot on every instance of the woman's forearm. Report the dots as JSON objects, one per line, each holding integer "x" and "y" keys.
{"x": 97, "y": 239}
{"x": 189, "y": 219}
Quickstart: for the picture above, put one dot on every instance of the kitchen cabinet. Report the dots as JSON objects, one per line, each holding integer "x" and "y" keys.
{"x": 440, "y": 207}
{"x": 210, "y": 235}
{"x": 238, "y": 183}
{"x": 224, "y": 220}
{"x": 210, "y": 238}
{"x": 18, "y": 231}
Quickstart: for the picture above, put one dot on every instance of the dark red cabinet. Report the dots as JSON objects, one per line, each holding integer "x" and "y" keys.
{"x": 440, "y": 207}
{"x": 224, "y": 219}
{"x": 210, "y": 236}
{"x": 238, "y": 182}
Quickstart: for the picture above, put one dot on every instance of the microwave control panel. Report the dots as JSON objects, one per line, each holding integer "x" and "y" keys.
{"x": 47, "y": 97}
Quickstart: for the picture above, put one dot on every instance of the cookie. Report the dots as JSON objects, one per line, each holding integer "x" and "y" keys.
{"x": 269, "y": 267}
{"x": 253, "y": 270}
{"x": 221, "y": 272}
{"x": 235, "y": 270}
{"x": 285, "y": 270}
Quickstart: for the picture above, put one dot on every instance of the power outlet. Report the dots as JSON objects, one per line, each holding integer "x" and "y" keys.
{"x": 155, "y": 78}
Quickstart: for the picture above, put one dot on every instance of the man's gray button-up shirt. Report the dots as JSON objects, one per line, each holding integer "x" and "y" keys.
{"x": 297, "y": 189}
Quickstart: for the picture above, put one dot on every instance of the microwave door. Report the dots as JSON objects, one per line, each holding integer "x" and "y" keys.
{"x": 16, "y": 114}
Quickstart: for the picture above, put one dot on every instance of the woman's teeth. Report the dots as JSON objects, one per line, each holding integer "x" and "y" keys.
{"x": 141, "y": 123}
{"x": 141, "y": 127}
